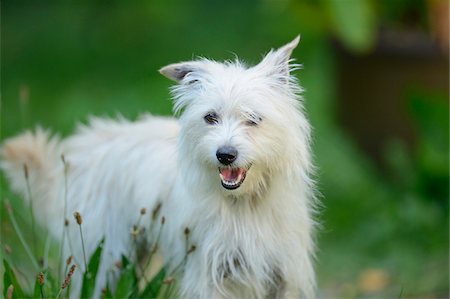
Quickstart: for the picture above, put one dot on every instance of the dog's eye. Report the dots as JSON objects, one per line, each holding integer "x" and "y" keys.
{"x": 211, "y": 118}
{"x": 253, "y": 120}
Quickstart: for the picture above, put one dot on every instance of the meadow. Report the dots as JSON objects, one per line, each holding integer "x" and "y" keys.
{"x": 385, "y": 209}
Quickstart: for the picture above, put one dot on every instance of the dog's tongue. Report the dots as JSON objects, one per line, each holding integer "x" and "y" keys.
{"x": 230, "y": 174}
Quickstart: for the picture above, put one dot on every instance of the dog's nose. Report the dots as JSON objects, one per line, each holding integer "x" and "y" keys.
{"x": 226, "y": 155}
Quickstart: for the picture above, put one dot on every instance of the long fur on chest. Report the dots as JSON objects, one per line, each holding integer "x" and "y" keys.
{"x": 251, "y": 245}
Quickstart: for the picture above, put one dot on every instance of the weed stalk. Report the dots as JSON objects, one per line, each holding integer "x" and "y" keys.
{"x": 30, "y": 198}
{"x": 79, "y": 222}
{"x": 66, "y": 167}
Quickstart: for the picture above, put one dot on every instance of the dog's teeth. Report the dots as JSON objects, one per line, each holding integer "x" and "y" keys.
{"x": 235, "y": 182}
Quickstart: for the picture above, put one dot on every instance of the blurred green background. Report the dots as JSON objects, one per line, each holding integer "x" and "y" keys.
{"x": 376, "y": 80}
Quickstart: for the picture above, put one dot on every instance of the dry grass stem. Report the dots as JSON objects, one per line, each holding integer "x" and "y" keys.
{"x": 66, "y": 282}
{"x": 79, "y": 222}
{"x": 66, "y": 221}
{"x": 41, "y": 281}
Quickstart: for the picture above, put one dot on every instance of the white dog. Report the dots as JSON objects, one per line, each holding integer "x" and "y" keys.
{"x": 235, "y": 169}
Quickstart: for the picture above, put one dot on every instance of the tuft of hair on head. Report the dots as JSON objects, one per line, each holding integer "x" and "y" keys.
{"x": 192, "y": 76}
{"x": 276, "y": 60}
{"x": 276, "y": 64}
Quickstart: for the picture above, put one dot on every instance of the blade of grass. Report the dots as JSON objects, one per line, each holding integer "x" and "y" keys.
{"x": 87, "y": 289}
{"x": 127, "y": 281}
{"x": 30, "y": 199}
{"x": 152, "y": 289}
{"x": 9, "y": 278}
{"x": 63, "y": 239}
{"x": 20, "y": 235}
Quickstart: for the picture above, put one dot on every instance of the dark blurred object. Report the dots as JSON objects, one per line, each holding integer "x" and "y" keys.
{"x": 373, "y": 88}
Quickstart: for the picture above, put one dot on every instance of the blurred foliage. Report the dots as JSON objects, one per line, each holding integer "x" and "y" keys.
{"x": 387, "y": 229}
{"x": 354, "y": 24}
{"x": 127, "y": 286}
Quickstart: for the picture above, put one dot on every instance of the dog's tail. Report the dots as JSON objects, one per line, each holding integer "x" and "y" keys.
{"x": 29, "y": 161}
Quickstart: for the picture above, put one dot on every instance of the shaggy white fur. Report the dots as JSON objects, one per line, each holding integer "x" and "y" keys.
{"x": 248, "y": 209}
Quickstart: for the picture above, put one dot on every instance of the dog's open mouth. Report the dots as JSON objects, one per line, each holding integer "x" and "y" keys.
{"x": 232, "y": 178}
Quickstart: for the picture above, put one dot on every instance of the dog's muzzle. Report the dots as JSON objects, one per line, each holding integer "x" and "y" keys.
{"x": 232, "y": 178}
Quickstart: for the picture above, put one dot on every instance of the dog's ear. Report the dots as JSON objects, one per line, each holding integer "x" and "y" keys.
{"x": 276, "y": 62}
{"x": 178, "y": 71}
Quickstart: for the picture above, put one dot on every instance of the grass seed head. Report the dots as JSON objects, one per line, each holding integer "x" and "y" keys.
{"x": 41, "y": 278}
{"x": 134, "y": 231}
{"x": 68, "y": 276}
{"x": 69, "y": 260}
{"x": 78, "y": 218}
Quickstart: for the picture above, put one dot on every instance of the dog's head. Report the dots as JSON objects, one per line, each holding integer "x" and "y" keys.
{"x": 240, "y": 126}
